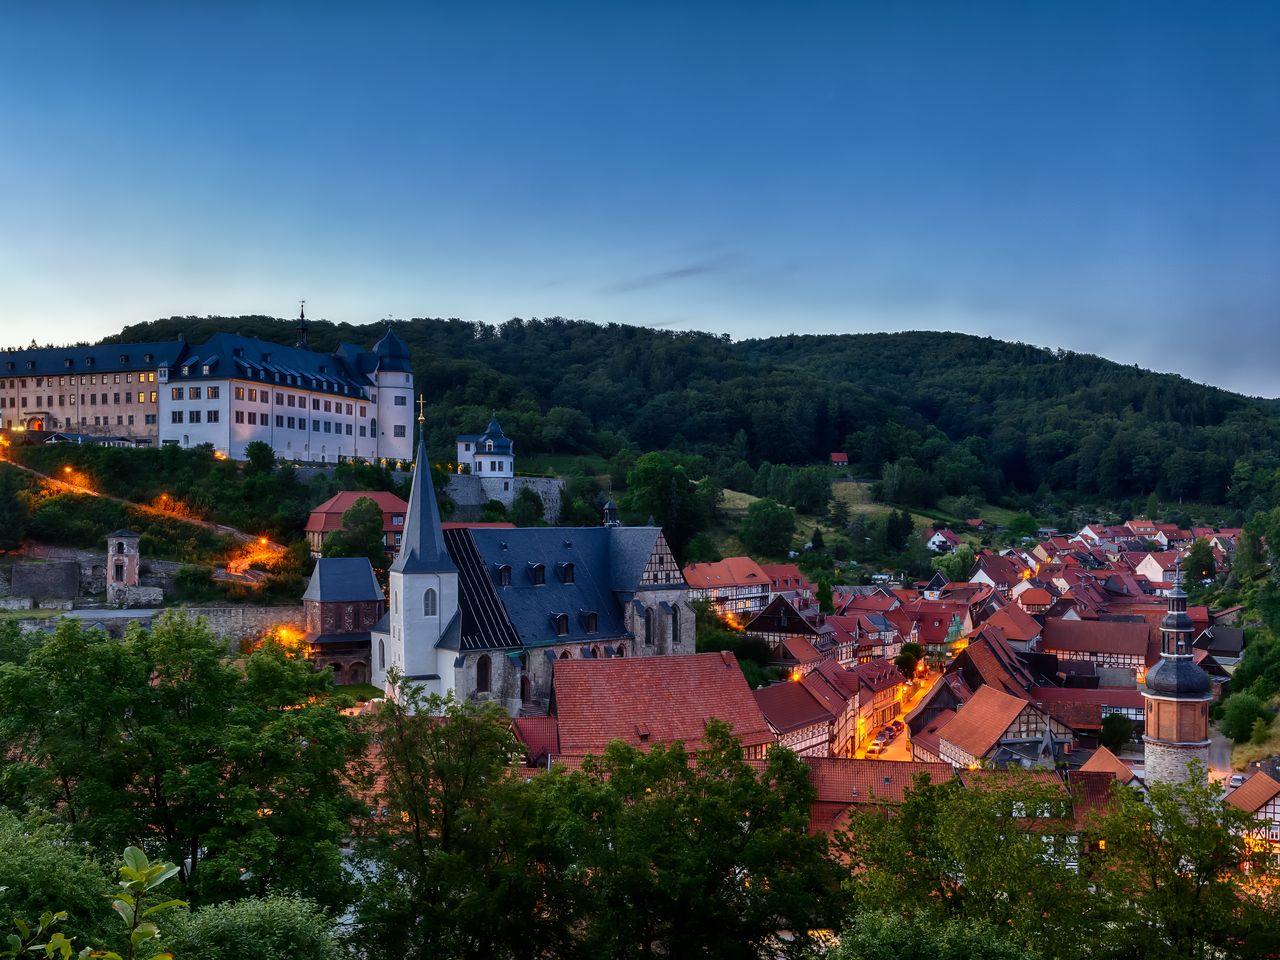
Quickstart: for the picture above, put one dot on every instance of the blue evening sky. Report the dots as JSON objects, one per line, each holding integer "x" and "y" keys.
{"x": 1097, "y": 176}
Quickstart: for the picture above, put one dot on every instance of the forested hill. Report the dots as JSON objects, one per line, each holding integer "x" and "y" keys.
{"x": 973, "y": 414}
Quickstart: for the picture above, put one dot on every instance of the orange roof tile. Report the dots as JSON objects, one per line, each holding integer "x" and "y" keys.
{"x": 980, "y": 723}
{"x": 328, "y": 516}
{"x": 790, "y": 706}
{"x": 646, "y": 700}
{"x": 1254, "y": 793}
{"x": 1104, "y": 761}
{"x": 729, "y": 572}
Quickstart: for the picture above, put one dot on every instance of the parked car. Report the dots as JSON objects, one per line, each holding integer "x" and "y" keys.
{"x": 898, "y": 726}
{"x": 875, "y": 750}
{"x": 1237, "y": 780}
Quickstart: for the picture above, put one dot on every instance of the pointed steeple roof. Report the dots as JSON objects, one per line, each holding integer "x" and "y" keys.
{"x": 422, "y": 547}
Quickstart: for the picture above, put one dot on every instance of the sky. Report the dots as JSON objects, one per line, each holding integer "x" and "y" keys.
{"x": 1101, "y": 177}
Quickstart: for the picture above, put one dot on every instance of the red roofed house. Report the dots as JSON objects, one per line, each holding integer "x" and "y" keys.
{"x": 792, "y": 636}
{"x": 798, "y": 719}
{"x": 1260, "y": 795}
{"x": 646, "y": 700}
{"x": 1002, "y": 573}
{"x": 1107, "y": 643}
{"x": 1104, "y": 761}
{"x": 991, "y": 720}
{"x": 787, "y": 578}
{"x": 837, "y": 689}
{"x": 839, "y": 459}
{"x": 880, "y": 686}
{"x": 1157, "y": 566}
{"x": 941, "y": 540}
{"x": 327, "y": 518}
{"x": 734, "y": 585}
{"x": 842, "y": 784}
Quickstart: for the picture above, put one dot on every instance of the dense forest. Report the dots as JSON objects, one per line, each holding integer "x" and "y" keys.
{"x": 958, "y": 415}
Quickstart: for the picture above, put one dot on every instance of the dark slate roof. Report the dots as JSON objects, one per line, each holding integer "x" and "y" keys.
{"x": 104, "y": 358}
{"x": 484, "y": 622}
{"x": 532, "y": 609}
{"x": 492, "y": 434}
{"x": 422, "y": 547}
{"x": 1222, "y": 641}
{"x": 630, "y": 549}
{"x": 343, "y": 579}
{"x": 1178, "y": 676}
{"x": 246, "y": 358}
{"x": 123, "y": 532}
{"x": 392, "y": 353}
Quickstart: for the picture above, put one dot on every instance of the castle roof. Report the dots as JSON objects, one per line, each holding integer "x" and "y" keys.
{"x": 392, "y": 354}
{"x": 343, "y": 580}
{"x": 81, "y": 360}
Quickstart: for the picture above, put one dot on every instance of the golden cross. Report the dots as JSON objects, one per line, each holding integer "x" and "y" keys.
{"x": 421, "y": 404}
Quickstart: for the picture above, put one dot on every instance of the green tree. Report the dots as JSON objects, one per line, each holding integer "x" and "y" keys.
{"x": 236, "y": 772}
{"x": 871, "y": 935}
{"x": 527, "y": 510}
{"x": 1261, "y": 731}
{"x": 658, "y": 487}
{"x": 1247, "y": 561}
{"x": 1199, "y": 563}
{"x": 273, "y": 928}
{"x": 826, "y": 602}
{"x": 1238, "y": 715}
{"x": 1117, "y": 730}
{"x": 956, "y": 565}
{"x": 1179, "y": 878}
{"x": 711, "y": 858}
{"x": 1023, "y": 525}
{"x": 839, "y": 513}
{"x": 816, "y": 541}
{"x": 361, "y": 534}
{"x": 768, "y": 528}
{"x": 259, "y": 457}
{"x": 13, "y": 509}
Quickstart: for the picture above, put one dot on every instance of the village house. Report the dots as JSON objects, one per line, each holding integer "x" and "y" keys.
{"x": 880, "y": 689}
{"x": 327, "y": 518}
{"x": 736, "y": 587}
{"x": 1001, "y": 729}
{"x": 1260, "y": 796}
{"x": 787, "y": 578}
{"x": 941, "y": 540}
{"x": 843, "y": 785}
{"x": 795, "y": 637}
{"x": 1125, "y": 644}
{"x": 798, "y": 719}
{"x": 342, "y": 604}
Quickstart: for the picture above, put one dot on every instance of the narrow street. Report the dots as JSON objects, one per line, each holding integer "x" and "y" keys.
{"x": 900, "y": 748}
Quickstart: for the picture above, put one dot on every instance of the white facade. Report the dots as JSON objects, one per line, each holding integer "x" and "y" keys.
{"x": 422, "y": 607}
{"x": 299, "y": 424}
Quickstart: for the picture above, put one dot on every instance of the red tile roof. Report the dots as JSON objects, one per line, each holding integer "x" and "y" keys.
{"x": 1252, "y": 795}
{"x": 842, "y": 784}
{"x": 327, "y": 517}
{"x": 729, "y": 572}
{"x": 539, "y": 736}
{"x": 878, "y": 675}
{"x": 1104, "y": 761}
{"x": 646, "y": 700}
{"x": 1090, "y": 791}
{"x": 790, "y": 706}
{"x": 786, "y": 576}
{"x": 1015, "y": 623}
{"x": 839, "y": 458}
{"x": 1096, "y": 636}
{"x": 980, "y": 723}
{"x": 1129, "y": 697}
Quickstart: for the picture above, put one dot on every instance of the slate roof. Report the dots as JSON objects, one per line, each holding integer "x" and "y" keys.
{"x": 1221, "y": 641}
{"x": 247, "y": 358}
{"x": 790, "y": 706}
{"x": 343, "y": 580}
{"x": 980, "y": 723}
{"x": 492, "y": 434}
{"x": 422, "y": 544}
{"x": 1252, "y": 795}
{"x": 103, "y": 358}
{"x": 646, "y": 700}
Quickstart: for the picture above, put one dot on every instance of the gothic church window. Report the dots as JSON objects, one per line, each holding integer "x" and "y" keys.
{"x": 429, "y": 603}
{"x": 482, "y": 674}
{"x": 382, "y": 655}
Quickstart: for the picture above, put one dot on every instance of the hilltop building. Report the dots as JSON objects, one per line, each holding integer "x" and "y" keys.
{"x": 486, "y": 612}
{"x": 486, "y": 470}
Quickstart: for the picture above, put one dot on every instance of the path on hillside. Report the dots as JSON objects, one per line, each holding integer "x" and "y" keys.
{"x": 237, "y": 569}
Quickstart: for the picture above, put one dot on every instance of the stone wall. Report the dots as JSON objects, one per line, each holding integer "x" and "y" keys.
{"x": 470, "y": 493}
{"x": 57, "y": 580}
{"x": 248, "y": 623}
{"x": 1167, "y": 762}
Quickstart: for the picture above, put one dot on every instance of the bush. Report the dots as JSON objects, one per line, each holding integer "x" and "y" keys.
{"x": 1117, "y": 730}
{"x": 273, "y": 928}
{"x": 1238, "y": 716}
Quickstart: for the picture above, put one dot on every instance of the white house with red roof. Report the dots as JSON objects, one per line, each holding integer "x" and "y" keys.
{"x": 1260, "y": 796}
{"x": 941, "y": 540}
{"x": 734, "y": 585}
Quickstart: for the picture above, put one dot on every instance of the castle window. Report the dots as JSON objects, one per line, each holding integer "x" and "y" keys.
{"x": 382, "y": 655}
{"x": 430, "y": 605}
{"x": 537, "y": 574}
{"x": 504, "y": 575}
{"x": 591, "y": 622}
{"x": 566, "y": 573}
{"x": 119, "y": 546}
{"x": 483, "y": 670}
{"x": 648, "y": 627}
{"x": 675, "y": 626}
{"x": 561, "y": 624}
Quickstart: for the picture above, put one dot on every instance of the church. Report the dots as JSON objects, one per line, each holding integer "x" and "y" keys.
{"x": 485, "y": 613}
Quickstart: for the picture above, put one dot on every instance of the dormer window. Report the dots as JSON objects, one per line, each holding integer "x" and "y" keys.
{"x": 31, "y": 364}
{"x": 566, "y": 573}
{"x": 124, "y": 358}
{"x": 504, "y": 574}
{"x": 488, "y": 447}
{"x": 204, "y": 369}
{"x": 561, "y": 623}
{"x": 590, "y": 621}
{"x": 186, "y": 370}
{"x": 66, "y": 363}
{"x": 537, "y": 574}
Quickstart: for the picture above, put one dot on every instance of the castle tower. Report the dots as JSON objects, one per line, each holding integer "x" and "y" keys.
{"x": 1177, "y": 695}
{"x": 424, "y": 593}
{"x": 393, "y": 382}
{"x": 124, "y": 565}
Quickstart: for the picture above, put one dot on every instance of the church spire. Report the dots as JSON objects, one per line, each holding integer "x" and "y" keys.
{"x": 422, "y": 548}
{"x": 301, "y": 325}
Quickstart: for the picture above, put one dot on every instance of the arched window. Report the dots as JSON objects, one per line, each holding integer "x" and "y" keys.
{"x": 648, "y": 627}
{"x": 675, "y": 626}
{"x": 591, "y": 622}
{"x": 622, "y": 650}
{"x": 537, "y": 574}
{"x": 564, "y": 654}
{"x": 382, "y": 655}
{"x": 562, "y": 624}
{"x": 119, "y": 546}
{"x": 430, "y": 605}
{"x": 504, "y": 575}
{"x": 566, "y": 573}
{"x": 482, "y": 673}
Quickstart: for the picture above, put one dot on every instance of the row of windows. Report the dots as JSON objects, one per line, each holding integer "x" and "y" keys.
{"x": 297, "y": 423}
{"x": 86, "y": 400}
{"x": 193, "y": 393}
{"x": 68, "y": 423}
{"x": 282, "y": 400}
{"x": 91, "y": 381}
{"x": 537, "y": 573}
{"x": 495, "y": 466}
{"x": 287, "y": 379}
{"x": 194, "y": 416}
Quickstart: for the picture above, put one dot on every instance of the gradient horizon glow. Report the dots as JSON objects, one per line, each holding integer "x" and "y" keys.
{"x": 1099, "y": 177}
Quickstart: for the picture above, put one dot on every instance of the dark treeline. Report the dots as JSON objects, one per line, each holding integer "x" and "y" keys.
{"x": 974, "y": 415}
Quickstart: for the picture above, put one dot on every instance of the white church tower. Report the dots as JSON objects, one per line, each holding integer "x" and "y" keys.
{"x": 424, "y": 593}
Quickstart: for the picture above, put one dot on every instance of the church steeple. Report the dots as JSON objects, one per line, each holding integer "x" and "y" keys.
{"x": 301, "y": 325}
{"x": 422, "y": 547}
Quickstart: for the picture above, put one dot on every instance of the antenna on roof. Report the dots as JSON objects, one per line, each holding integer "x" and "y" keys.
{"x": 302, "y": 325}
